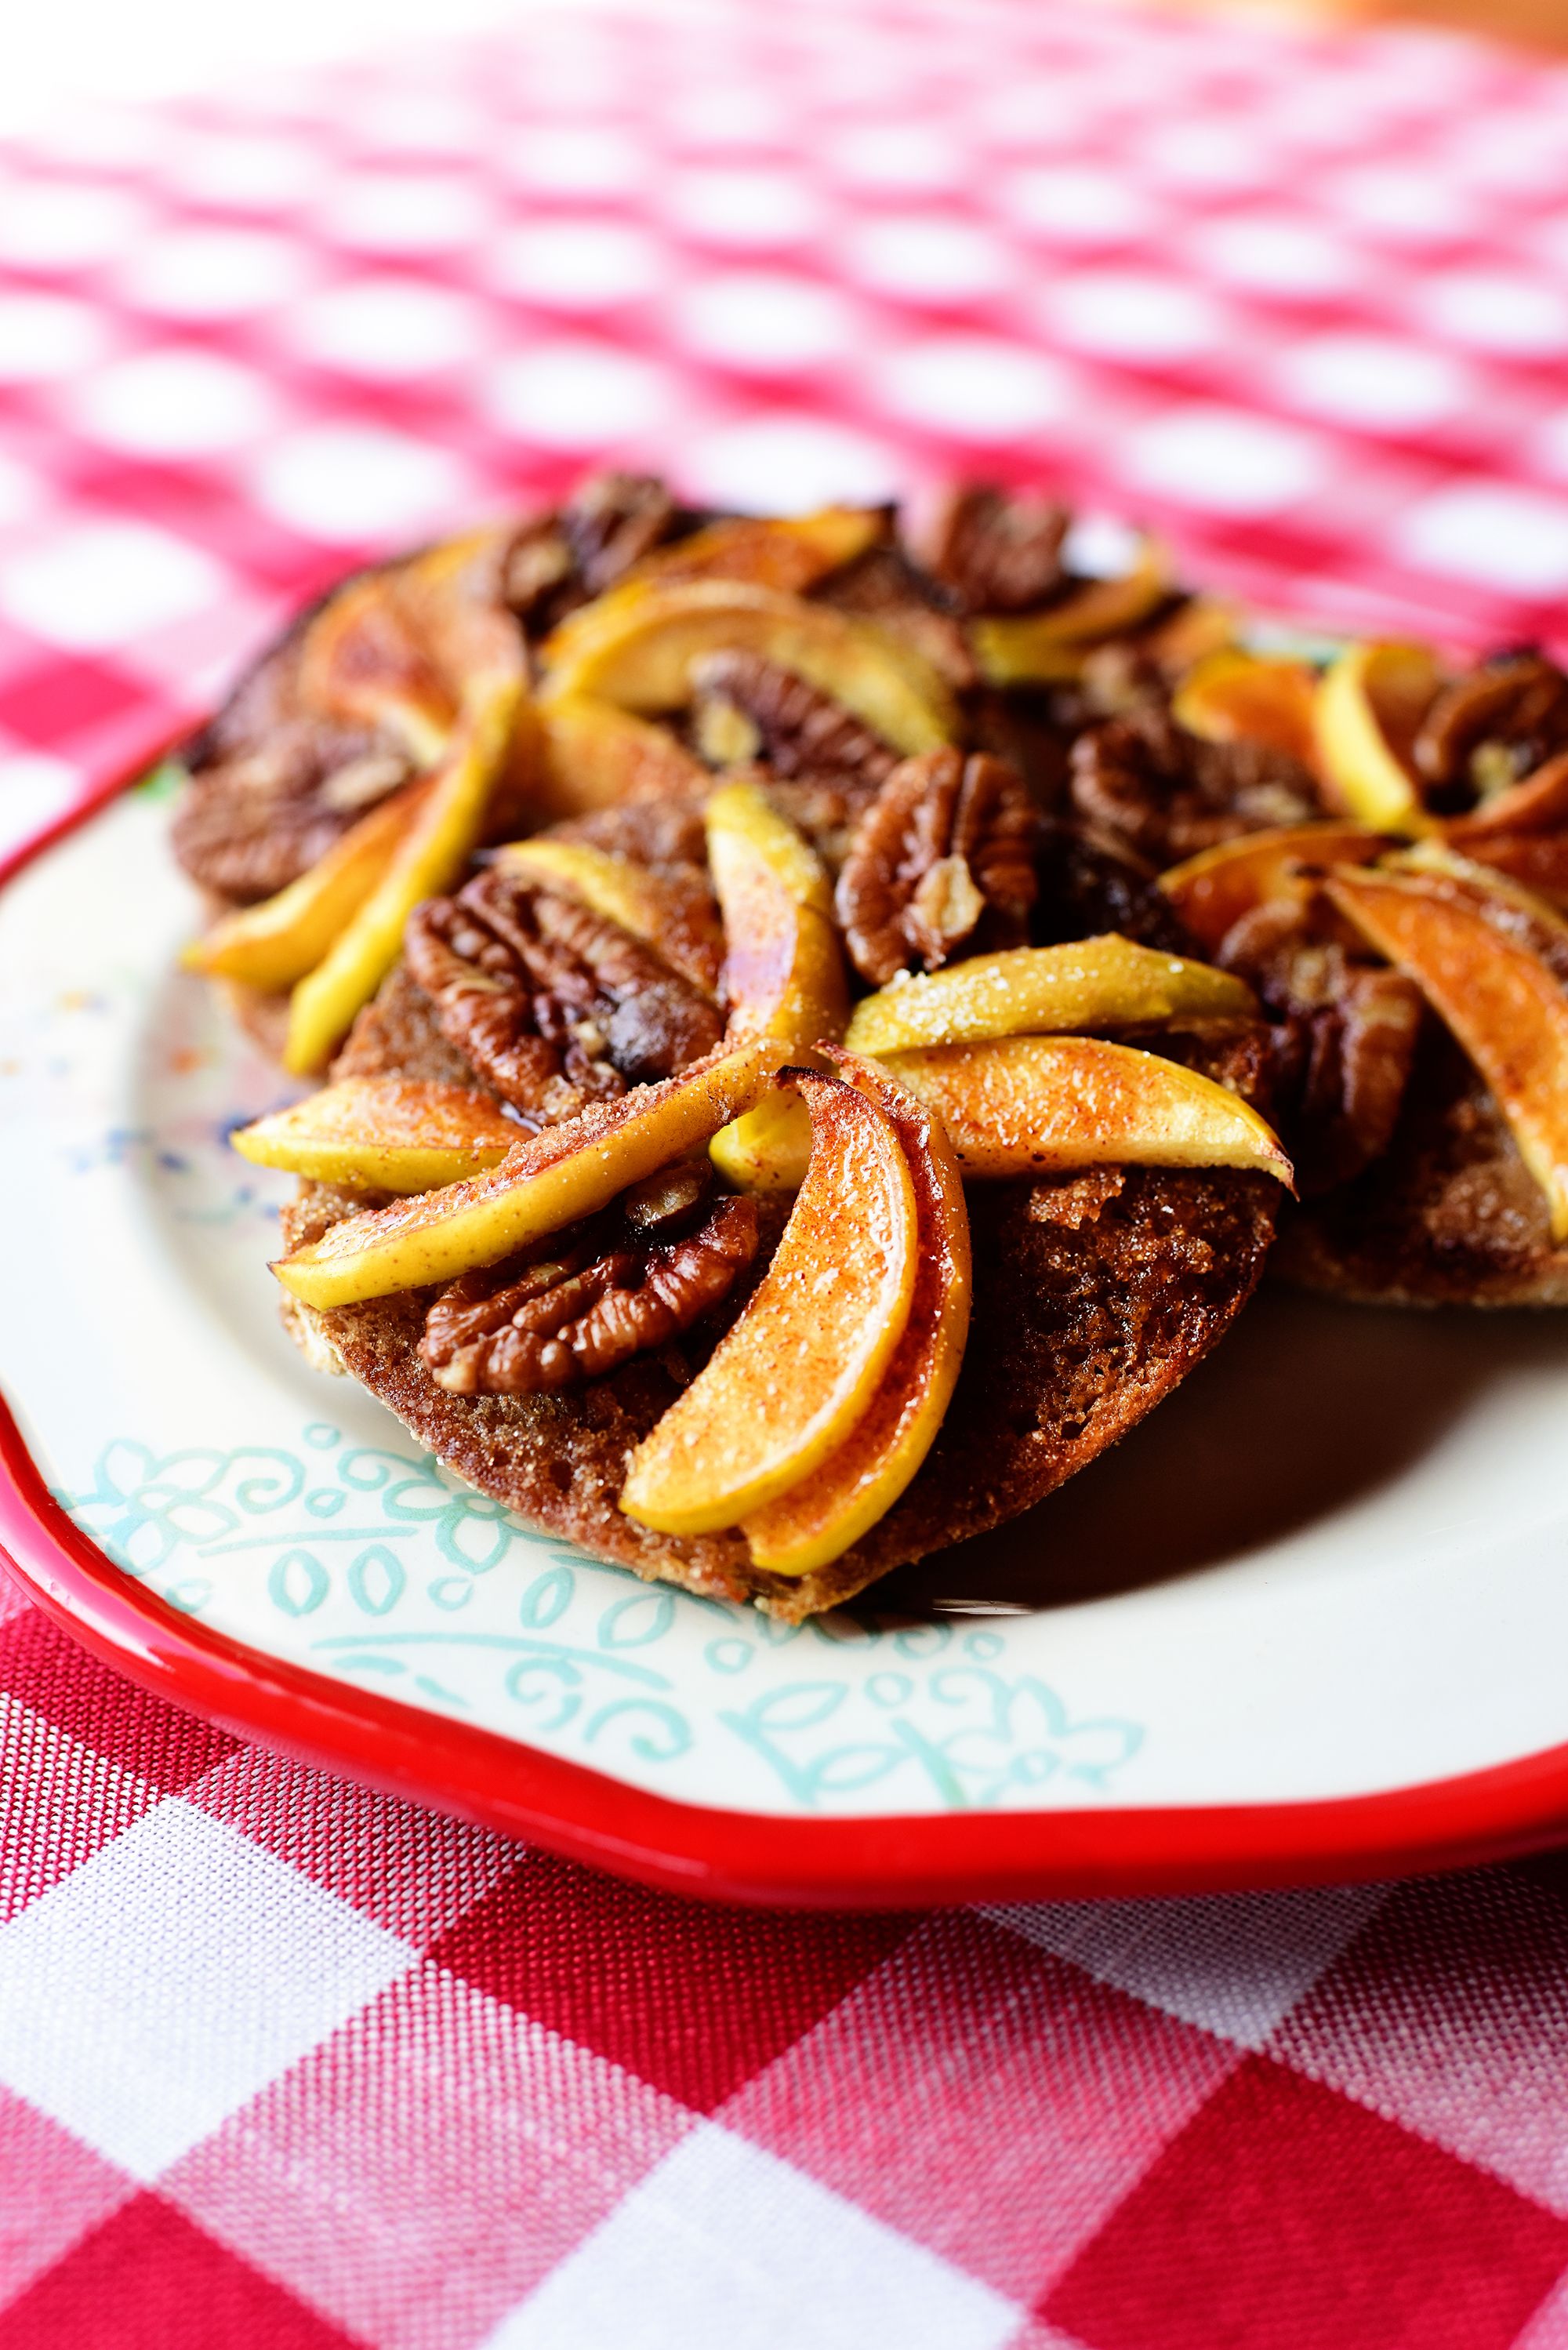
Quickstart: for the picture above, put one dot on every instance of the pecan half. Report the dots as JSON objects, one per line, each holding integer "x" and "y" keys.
{"x": 317, "y": 730}
{"x": 796, "y": 729}
{"x": 615, "y": 520}
{"x": 993, "y": 553}
{"x": 1167, "y": 793}
{"x": 1349, "y": 1029}
{"x": 947, "y": 847}
{"x": 557, "y": 560}
{"x": 250, "y": 824}
{"x": 552, "y": 1005}
{"x": 571, "y": 1313}
{"x": 536, "y": 573}
{"x": 1491, "y": 727}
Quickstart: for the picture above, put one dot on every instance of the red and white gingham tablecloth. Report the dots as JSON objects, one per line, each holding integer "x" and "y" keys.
{"x": 288, "y": 2065}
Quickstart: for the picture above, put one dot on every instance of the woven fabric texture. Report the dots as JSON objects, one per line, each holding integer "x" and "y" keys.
{"x": 285, "y": 2063}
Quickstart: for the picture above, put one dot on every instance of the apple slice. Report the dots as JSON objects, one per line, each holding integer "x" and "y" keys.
{"x": 383, "y": 1134}
{"x": 784, "y": 967}
{"x": 1033, "y": 1105}
{"x": 1538, "y": 861}
{"x": 789, "y": 552}
{"x": 1048, "y": 647}
{"x": 784, "y": 970}
{"x": 1231, "y": 696}
{"x": 820, "y": 1519}
{"x": 1212, "y": 891}
{"x": 594, "y": 756}
{"x": 399, "y": 646}
{"x": 1370, "y": 705}
{"x": 271, "y": 945}
{"x": 769, "y": 1148}
{"x": 1100, "y": 983}
{"x": 636, "y": 646}
{"x": 549, "y": 1180}
{"x": 429, "y": 854}
{"x": 785, "y": 1385}
{"x": 1476, "y": 957}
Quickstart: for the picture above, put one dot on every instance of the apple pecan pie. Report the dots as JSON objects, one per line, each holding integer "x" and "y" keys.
{"x": 813, "y": 1020}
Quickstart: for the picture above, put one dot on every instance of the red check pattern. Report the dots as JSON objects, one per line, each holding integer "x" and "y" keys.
{"x": 284, "y": 2062}
{"x": 283, "y": 2056}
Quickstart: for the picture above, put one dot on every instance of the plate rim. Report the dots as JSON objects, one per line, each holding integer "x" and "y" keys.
{"x": 855, "y": 1862}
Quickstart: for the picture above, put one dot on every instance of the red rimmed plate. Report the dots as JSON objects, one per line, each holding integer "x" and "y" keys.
{"x": 1304, "y": 1624}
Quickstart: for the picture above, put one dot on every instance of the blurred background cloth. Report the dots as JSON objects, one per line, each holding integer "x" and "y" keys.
{"x": 1298, "y": 296}
{"x": 58, "y": 56}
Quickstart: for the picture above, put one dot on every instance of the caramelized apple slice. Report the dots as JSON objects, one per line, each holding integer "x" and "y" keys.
{"x": 1031, "y": 1105}
{"x": 383, "y": 1134}
{"x": 784, "y": 971}
{"x": 1479, "y": 958}
{"x": 1370, "y": 705}
{"x": 271, "y": 945}
{"x": 1231, "y": 696}
{"x": 594, "y": 756}
{"x": 401, "y": 647}
{"x": 1537, "y": 861}
{"x": 550, "y": 1180}
{"x": 789, "y": 552}
{"x": 1048, "y": 647}
{"x": 1101, "y": 983}
{"x": 636, "y": 646}
{"x": 825, "y": 1516}
{"x": 429, "y": 854}
{"x": 768, "y": 1150}
{"x": 783, "y": 1388}
{"x": 1213, "y": 890}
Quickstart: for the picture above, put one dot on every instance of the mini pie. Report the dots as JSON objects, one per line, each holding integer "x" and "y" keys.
{"x": 800, "y": 1006}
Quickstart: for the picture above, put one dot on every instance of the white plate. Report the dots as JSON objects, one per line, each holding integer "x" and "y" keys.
{"x": 1331, "y": 1567}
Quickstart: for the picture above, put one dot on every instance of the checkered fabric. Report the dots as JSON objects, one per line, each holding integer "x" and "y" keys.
{"x": 1302, "y": 301}
{"x": 288, "y": 2064}
{"x": 285, "y": 2063}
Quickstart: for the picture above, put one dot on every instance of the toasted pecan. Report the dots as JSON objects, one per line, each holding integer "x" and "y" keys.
{"x": 947, "y": 847}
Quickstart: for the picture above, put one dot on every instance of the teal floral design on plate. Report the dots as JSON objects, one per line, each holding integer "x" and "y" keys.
{"x": 994, "y": 1737}
{"x": 382, "y": 1567}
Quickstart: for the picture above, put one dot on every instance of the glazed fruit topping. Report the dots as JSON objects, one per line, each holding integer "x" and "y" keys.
{"x": 554, "y": 1178}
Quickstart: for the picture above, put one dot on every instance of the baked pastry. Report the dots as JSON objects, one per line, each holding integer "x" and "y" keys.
{"x": 1421, "y": 1062}
{"x": 800, "y": 1005}
{"x": 806, "y": 1151}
